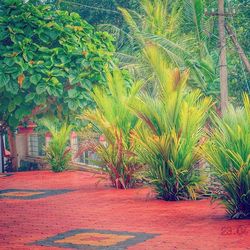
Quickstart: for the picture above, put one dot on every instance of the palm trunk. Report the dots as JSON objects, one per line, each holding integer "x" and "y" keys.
{"x": 223, "y": 59}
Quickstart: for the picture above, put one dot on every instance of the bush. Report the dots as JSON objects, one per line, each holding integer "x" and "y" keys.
{"x": 58, "y": 153}
{"x": 172, "y": 127}
{"x": 113, "y": 119}
{"x": 228, "y": 152}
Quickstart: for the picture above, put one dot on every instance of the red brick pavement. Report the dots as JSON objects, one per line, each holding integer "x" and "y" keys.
{"x": 179, "y": 225}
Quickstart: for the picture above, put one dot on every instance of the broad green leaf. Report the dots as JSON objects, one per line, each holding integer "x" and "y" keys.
{"x": 13, "y": 122}
{"x": 12, "y": 87}
{"x": 29, "y": 97}
{"x": 40, "y": 99}
{"x": 11, "y": 106}
{"x": 18, "y": 99}
{"x": 4, "y": 79}
{"x": 35, "y": 78}
{"x": 73, "y": 105}
{"x": 40, "y": 88}
{"x": 72, "y": 93}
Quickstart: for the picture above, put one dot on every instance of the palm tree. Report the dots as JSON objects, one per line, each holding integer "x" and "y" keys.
{"x": 113, "y": 119}
{"x": 168, "y": 140}
{"x": 178, "y": 30}
{"x": 58, "y": 153}
{"x": 228, "y": 152}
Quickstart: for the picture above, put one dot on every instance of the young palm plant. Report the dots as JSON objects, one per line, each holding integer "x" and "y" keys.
{"x": 58, "y": 154}
{"x": 168, "y": 140}
{"x": 113, "y": 119}
{"x": 228, "y": 152}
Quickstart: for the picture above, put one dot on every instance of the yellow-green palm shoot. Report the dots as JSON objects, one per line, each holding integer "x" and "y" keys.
{"x": 58, "y": 153}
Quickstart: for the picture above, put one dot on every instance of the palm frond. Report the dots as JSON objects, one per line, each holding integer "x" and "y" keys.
{"x": 58, "y": 153}
{"x": 168, "y": 140}
{"x": 114, "y": 119}
{"x": 228, "y": 152}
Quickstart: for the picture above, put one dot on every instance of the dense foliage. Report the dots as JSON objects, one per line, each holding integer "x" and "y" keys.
{"x": 186, "y": 31}
{"x": 178, "y": 29}
{"x": 99, "y": 11}
{"x": 238, "y": 77}
{"x": 115, "y": 122}
{"x": 49, "y": 61}
{"x": 228, "y": 152}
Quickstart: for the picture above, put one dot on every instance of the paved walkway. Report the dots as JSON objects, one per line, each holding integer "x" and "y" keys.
{"x": 44, "y": 210}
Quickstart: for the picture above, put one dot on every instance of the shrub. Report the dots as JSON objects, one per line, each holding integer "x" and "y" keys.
{"x": 228, "y": 152}
{"x": 58, "y": 153}
{"x": 172, "y": 127}
{"x": 113, "y": 119}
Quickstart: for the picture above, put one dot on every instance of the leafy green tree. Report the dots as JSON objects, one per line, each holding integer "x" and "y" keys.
{"x": 49, "y": 61}
{"x": 239, "y": 78}
{"x": 98, "y": 11}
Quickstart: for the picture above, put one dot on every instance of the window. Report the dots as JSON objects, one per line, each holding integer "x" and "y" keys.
{"x": 36, "y": 143}
{"x": 87, "y": 157}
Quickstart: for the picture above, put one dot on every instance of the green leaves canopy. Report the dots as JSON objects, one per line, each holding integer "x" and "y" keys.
{"x": 48, "y": 59}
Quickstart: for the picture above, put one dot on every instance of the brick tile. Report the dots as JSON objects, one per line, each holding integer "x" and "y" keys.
{"x": 176, "y": 225}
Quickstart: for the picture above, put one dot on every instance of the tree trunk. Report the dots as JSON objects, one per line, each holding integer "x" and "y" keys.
{"x": 238, "y": 47}
{"x": 223, "y": 59}
{"x": 1, "y": 154}
{"x": 13, "y": 151}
